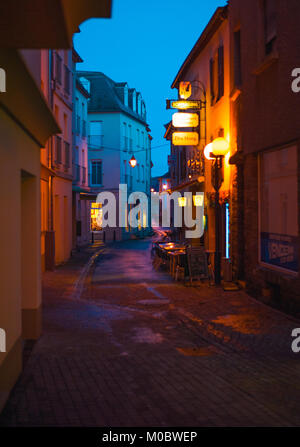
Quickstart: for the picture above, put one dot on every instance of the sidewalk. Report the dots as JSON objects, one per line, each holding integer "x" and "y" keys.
{"x": 133, "y": 348}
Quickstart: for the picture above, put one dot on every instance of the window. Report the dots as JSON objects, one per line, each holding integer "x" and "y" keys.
{"x": 220, "y": 72}
{"x": 96, "y": 172}
{"x": 143, "y": 173}
{"x": 279, "y": 239}
{"x": 67, "y": 80}
{"x": 58, "y": 68}
{"x": 216, "y": 68}
{"x": 270, "y": 25}
{"x": 95, "y": 137}
{"x": 125, "y": 143}
{"x": 237, "y": 59}
{"x": 129, "y": 137}
{"x": 138, "y": 138}
{"x": 58, "y": 149}
{"x": 65, "y": 125}
{"x": 139, "y": 173}
{"x": 67, "y": 155}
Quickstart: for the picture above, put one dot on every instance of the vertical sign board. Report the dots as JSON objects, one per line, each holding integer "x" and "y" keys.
{"x": 280, "y": 250}
{"x": 185, "y": 89}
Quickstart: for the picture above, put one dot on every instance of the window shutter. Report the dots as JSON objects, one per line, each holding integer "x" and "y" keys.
{"x": 211, "y": 77}
{"x": 220, "y": 72}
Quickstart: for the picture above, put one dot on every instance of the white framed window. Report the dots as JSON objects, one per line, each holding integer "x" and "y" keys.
{"x": 96, "y": 172}
{"x": 95, "y": 134}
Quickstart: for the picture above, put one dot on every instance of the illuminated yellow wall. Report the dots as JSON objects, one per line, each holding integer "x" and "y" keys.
{"x": 218, "y": 115}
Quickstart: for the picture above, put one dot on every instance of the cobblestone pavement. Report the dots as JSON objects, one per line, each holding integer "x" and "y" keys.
{"x": 124, "y": 345}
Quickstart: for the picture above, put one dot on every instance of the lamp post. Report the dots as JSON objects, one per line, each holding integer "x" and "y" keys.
{"x": 216, "y": 152}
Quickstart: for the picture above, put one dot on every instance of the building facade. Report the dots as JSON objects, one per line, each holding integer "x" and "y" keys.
{"x": 117, "y": 131}
{"x": 26, "y": 124}
{"x": 81, "y": 192}
{"x": 207, "y": 68}
{"x": 265, "y": 44}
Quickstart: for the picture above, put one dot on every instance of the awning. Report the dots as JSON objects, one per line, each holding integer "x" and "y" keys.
{"x": 88, "y": 196}
{"x": 46, "y": 23}
{"x": 188, "y": 184}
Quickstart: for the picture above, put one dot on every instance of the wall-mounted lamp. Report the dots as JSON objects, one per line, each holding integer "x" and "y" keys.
{"x": 133, "y": 162}
{"x": 182, "y": 201}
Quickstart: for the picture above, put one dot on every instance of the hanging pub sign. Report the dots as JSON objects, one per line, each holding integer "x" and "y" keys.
{"x": 182, "y": 104}
{"x": 185, "y": 138}
{"x": 185, "y": 89}
{"x": 185, "y": 119}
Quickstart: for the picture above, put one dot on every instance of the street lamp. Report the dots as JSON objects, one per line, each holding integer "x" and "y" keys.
{"x": 215, "y": 152}
{"x": 133, "y": 162}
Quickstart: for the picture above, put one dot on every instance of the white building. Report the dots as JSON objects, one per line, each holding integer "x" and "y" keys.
{"x": 118, "y": 131}
{"x": 81, "y": 191}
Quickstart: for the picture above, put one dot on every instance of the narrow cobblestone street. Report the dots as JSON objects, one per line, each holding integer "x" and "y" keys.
{"x": 124, "y": 345}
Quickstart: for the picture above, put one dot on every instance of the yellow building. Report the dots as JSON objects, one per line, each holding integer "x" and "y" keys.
{"x": 26, "y": 123}
{"x": 207, "y": 68}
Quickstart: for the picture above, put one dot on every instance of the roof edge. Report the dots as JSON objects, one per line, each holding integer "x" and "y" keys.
{"x": 214, "y": 23}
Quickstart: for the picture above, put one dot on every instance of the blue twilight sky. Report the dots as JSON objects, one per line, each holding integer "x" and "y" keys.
{"x": 144, "y": 44}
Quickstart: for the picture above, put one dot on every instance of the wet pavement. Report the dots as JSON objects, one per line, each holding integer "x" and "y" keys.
{"x": 124, "y": 345}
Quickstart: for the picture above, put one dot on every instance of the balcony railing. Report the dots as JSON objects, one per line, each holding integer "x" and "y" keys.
{"x": 95, "y": 141}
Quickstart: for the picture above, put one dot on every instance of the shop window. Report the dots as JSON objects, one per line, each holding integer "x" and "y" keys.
{"x": 279, "y": 239}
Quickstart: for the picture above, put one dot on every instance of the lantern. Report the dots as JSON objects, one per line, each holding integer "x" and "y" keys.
{"x": 132, "y": 162}
{"x": 182, "y": 201}
{"x": 198, "y": 199}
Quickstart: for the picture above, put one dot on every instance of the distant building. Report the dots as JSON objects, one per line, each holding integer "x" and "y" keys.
{"x": 61, "y": 102}
{"x": 81, "y": 191}
{"x": 117, "y": 131}
{"x": 161, "y": 185}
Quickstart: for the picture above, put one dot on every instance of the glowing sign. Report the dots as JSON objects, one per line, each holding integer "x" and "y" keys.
{"x": 185, "y": 90}
{"x": 185, "y": 120}
{"x": 183, "y": 105}
{"x": 185, "y": 138}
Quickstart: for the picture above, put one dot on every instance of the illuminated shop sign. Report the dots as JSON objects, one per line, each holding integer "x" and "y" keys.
{"x": 185, "y": 138}
{"x": 185, "y": 119}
